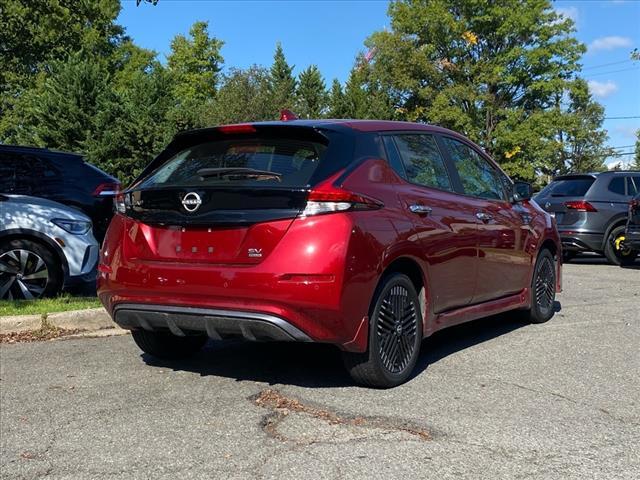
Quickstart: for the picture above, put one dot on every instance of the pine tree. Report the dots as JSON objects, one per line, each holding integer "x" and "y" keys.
{"x": 283, "y": 84}
{"x": 194, "y": 65}
{"x": 337, "y": 107}
{"x": 311, "y": 94}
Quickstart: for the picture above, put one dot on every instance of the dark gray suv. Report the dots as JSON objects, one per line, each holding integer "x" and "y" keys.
{"x": 591, "y": 211}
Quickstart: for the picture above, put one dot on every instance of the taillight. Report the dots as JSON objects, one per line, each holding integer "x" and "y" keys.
{"x": 338, "y": 200}
{"x": 580, "y": 206}
{"x": 106, "y": 190}
{"x": 119, "y": 203}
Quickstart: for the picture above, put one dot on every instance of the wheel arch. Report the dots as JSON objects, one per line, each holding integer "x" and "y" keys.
{"x": 35, "y": 236}
{"x": 617, "y": 221}
{"x": 410, "y": 267}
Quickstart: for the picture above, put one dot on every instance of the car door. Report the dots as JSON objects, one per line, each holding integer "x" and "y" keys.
{"x": 443, "y": 223}
{"x": 503, "y": 227}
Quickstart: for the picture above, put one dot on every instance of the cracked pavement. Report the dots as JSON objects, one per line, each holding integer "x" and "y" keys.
{"x": 492, "y": 399}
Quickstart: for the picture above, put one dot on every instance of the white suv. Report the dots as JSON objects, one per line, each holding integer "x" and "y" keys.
{"x": 44, "y": 246}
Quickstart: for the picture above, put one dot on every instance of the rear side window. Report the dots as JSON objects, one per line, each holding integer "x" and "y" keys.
{"x": 254, "y": 161}
{"x": 616, "y": 185}
{"x": 8, "y": 163}
{"x": 422, "y": 161}
{"x": 479, "y": 178}
{"x": 633, "y": 186}
{"x": 571, "y": 187}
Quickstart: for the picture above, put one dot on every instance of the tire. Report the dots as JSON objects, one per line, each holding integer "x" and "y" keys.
{"x": 543, "y": 289}
{"x": 567, "y": 256}
{"x": 165, "y": 345}
{"x": 28, "y": 270}
{"x": 394, "y": 343}
{"x": 616, "y": 255}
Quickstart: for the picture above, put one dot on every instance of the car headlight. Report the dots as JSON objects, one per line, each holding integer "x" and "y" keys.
{"x": 76, "y": 227}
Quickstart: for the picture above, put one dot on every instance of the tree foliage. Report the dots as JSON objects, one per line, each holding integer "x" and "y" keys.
{"x": 491, "y": 70}
{"x": 311, "y": 94}
{"x": 504, "y": 73}
{"x": 283, "y": 83}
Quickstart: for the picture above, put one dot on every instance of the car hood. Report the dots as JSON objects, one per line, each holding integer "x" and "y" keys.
{"x": 46, "y": 207}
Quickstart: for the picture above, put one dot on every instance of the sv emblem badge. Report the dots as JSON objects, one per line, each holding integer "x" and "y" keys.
{"x": 254, "y": 252}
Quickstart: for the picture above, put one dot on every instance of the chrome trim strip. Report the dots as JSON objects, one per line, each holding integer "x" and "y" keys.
{"x": 295, "y": 332}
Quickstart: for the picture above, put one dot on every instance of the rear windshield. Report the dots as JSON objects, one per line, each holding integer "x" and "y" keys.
{"x": 254, "y": 161}
{"x": 571, "y": 187}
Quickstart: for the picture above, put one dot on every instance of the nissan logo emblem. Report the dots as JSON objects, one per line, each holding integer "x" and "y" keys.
{"x": 191, "y": 202}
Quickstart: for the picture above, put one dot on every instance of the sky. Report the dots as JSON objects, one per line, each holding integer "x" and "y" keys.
{"x": 329, "y": 33}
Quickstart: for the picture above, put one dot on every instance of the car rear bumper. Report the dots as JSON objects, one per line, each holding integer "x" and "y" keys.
{"x": 217, "y": 324}
{"x": 632, "y": 238}
{"x": 573, "y": 241}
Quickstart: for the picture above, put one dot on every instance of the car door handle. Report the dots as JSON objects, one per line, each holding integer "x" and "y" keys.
{"x": 485, "y": 217}
{"x": 420, "y": 209}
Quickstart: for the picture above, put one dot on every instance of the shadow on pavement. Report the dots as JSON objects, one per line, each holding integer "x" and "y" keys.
{"x": 320, "y": 366}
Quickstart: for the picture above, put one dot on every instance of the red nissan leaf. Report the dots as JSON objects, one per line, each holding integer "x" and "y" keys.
{"x": 368, "y": 235}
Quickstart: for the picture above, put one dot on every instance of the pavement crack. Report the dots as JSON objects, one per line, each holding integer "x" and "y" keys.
{"x": 281, "y": 406}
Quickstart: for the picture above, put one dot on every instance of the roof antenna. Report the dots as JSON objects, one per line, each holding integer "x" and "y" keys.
{"x": 287, "y": 115}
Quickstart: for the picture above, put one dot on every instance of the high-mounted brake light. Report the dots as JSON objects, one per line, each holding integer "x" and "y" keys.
{"x": 580, "y": 206}
{"x": 106, "y": 189}
{"x": 237, "y": 128}
{"x": 338, "y": 200}
{"x": 287, "y": 115}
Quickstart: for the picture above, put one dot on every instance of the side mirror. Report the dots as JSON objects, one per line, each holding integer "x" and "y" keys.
{"x": 522, "y": 191}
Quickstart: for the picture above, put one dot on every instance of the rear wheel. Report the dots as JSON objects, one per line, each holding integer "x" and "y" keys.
{"x": 166, "y": 345}
{"x": 395, "y": 335}
{"x": 615, "y": 251}
{"x": 543, "y": 288}
{"x": 28, "y": 270}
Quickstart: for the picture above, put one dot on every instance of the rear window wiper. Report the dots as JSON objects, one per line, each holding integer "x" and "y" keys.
{"x": 237, "y": 172}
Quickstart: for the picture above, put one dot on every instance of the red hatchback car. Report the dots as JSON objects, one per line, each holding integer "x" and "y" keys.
{"x": 369, "y": 235}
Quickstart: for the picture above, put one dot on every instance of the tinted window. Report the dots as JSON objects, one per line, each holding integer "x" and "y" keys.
{"x": 278, "y": 162}
{"x": 422, "y": 161}
{"x": 8, "y": 164}
{"x": 617, "y": 185}
{"x": 633, "y": 185}
{"x": 573, "y": 187}
{"x": 479, "y": 178}
{"x": 393, "y": 156}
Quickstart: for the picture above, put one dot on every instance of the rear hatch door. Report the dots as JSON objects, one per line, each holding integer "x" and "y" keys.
{"x": 562, "y": 190}
{"x": 228, "y": 195}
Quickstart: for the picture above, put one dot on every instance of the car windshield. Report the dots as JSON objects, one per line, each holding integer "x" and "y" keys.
{"x": 241, "y": 162}
{"x": 570, "y": 187}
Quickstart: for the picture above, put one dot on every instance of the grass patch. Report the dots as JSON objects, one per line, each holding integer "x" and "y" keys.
{"x": 47, "y": 305}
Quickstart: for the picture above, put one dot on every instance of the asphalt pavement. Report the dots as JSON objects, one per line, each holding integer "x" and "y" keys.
{"x": 496, "y": 398}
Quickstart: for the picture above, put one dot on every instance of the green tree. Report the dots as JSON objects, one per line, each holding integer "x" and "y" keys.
{"x": 194, "y": 65}
{"x": 337, "y": 108}
{"x": 244, "y": 96}
{"x": 636, "y": 158}
{"x": 36, "y": 34}
{"x": 364, "y": 96}
{"x": 60, "y": 110}
{"x": 581, "y": 138}
{"x": 490, "y": 70}
{"x": 283, "y": 84}
{"x": 131, "y": 125}
{"x": 311, "y": 93}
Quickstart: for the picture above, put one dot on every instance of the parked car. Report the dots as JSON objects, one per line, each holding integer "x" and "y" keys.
{"x": 44, "y": 246}
{"x": 63, "y": 177}
{"x": 591, "y": 211}
{"x": 631, "y": 241}
{"x": 369, "y": 235}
